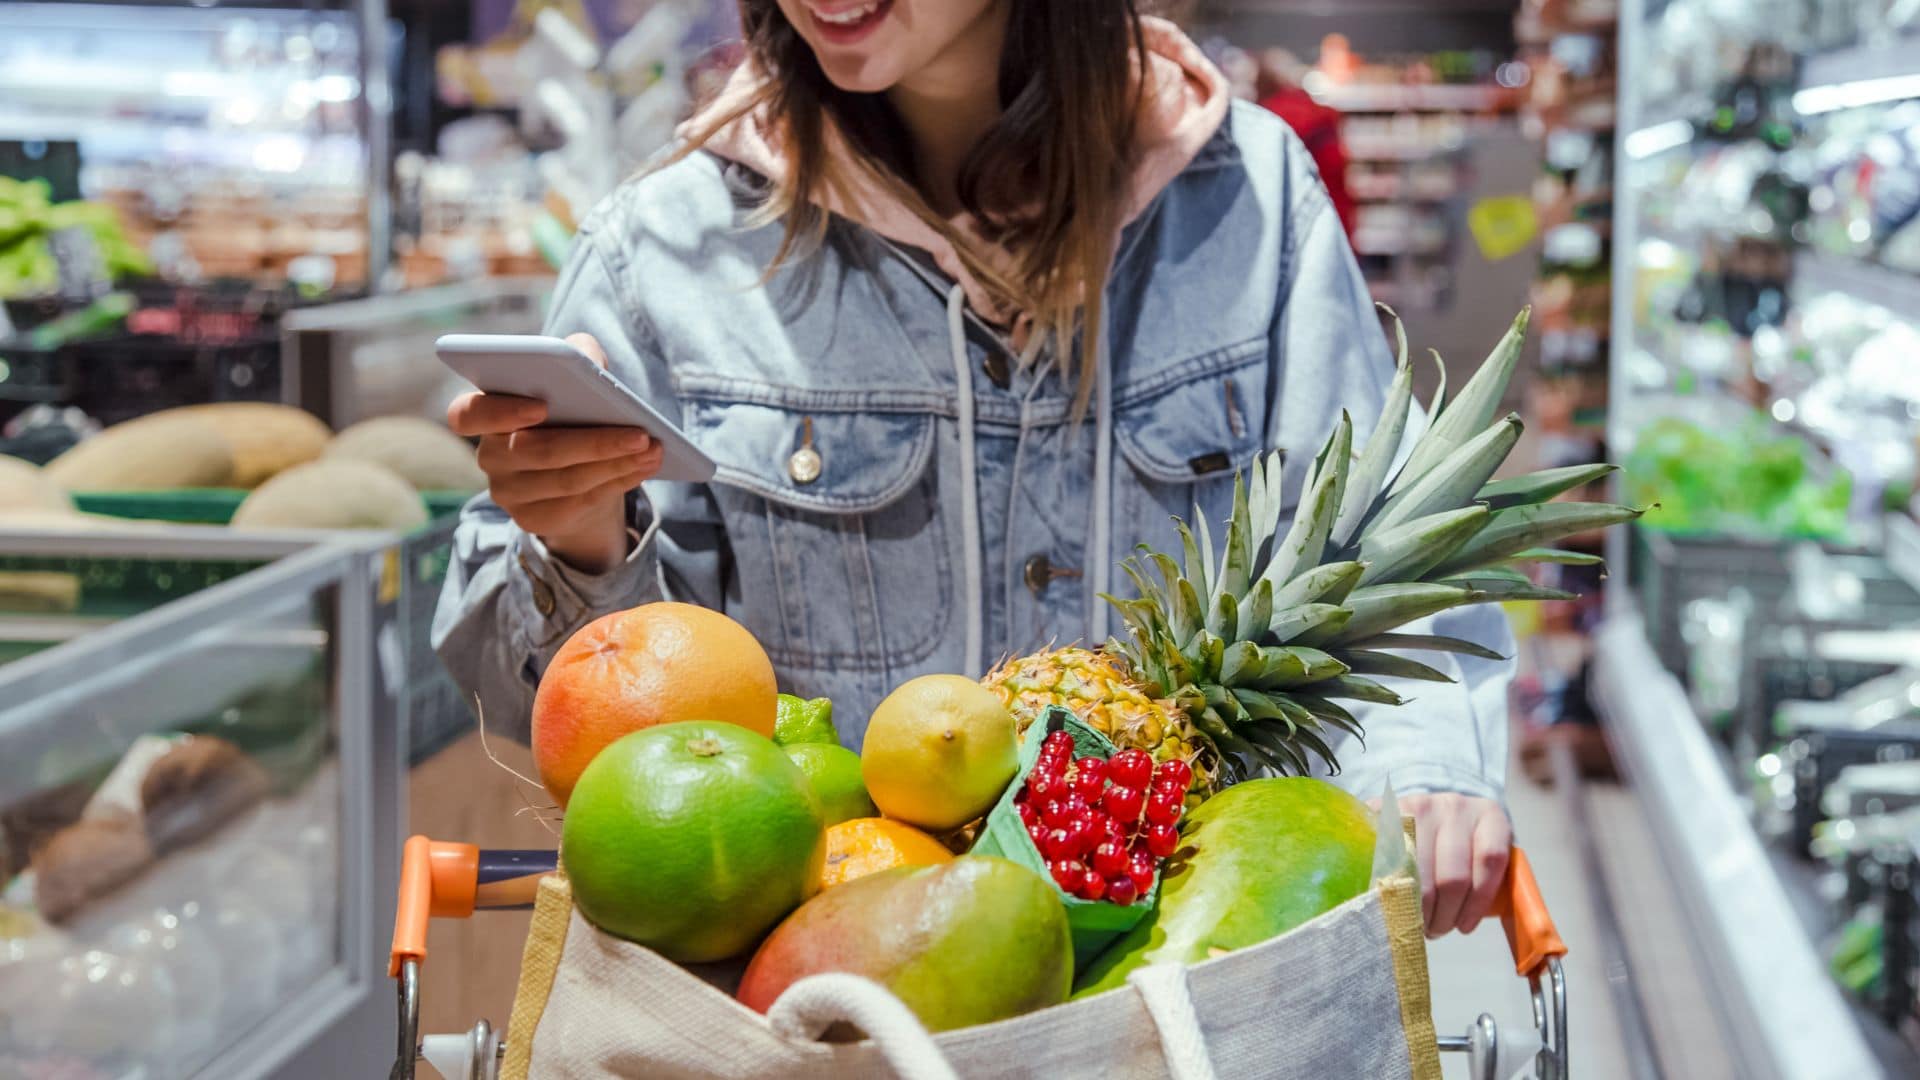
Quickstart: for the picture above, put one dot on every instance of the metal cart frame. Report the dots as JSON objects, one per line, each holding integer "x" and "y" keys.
{"x": 453, "y": 880}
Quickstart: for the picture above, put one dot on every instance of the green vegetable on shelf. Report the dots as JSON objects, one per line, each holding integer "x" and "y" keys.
{"x": 1750, "y": 480}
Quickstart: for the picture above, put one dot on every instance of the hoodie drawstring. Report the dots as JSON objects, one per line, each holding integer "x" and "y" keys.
{"x": 969, "y": 484}
{"x": 1100, "y": 554}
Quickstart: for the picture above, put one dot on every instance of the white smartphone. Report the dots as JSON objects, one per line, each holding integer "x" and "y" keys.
{"x": 578, "y": 392}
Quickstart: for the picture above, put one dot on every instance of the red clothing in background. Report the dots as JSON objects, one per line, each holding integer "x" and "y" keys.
{"x": 1319, "y": 128}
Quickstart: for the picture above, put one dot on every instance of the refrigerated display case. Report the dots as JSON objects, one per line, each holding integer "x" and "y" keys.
{"x": 1762, "y": 390}
{"x": 201, "y": 813}
{"x": 235, "y": 140}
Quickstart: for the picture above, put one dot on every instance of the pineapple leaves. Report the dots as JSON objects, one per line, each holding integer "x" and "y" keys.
{"x": 1329, "y": 712}
{"x": 1224, "y": 620}
{"x": 1454, "y": 482}
{"x": 1234, "y": 575}
{"x": 1190, "y": 556}
{"x": 1369, "y": 474}
{"x": 1428, "y": 643}
{"x": 1554, "y": 555}
{"x": 1358, "y": 688}
{"x": 1518, "y": 528}
{"x": 1406, "y": 551}
{"x": 1257, "y": 614}
{"x": 1362, "y": 662}
{"x": 1244, "y": 664}
{"x": 1540, "y": 486}
{"x": 1493, "y": 586}
{"x": 1300, "y": 622}
{"x": 1376, "y": 609}
{"x": 1306, "y": 539}
{"x": 1471, "y": 411}
{"x": 1328, "y": 583}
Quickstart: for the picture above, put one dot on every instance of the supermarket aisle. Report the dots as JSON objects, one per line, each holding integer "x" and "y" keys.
{"x": 1472, "y": 975}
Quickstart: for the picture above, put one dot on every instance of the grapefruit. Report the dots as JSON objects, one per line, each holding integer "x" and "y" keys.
{"x": 968, "y": 942}
{"x": 1255, "y": 861}
{"x": 692, "y": 839}
{"x": 939, "y": 751}
{"x": 834, "y": 772}
{"x": 869, "y": 845}
{"x": 655, "y": 664}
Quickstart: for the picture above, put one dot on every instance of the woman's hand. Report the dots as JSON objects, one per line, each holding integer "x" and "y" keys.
{"x": 1462, "y": 844}
{"x": 567, "y": 486}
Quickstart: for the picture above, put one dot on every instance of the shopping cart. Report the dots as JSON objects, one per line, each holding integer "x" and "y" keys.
{"x": 452, "y": 881}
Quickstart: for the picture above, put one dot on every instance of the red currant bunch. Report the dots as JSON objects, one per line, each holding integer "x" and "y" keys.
{"x": 1103, "y": 825}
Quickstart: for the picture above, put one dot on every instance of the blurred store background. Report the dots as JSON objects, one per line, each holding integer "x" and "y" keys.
{"x": 1712, "y": 205}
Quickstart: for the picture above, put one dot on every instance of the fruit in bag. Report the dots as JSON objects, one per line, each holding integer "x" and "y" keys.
{"x": 658, "y": 663}
{"x": 869, "y": 845}
{"x": 976, "y": 940}
{"x": 939, "y": 751}
{"x": 803, "y": 720}
{"x": 692, "y": 839}
{"x": 834, "y": 772}
{"x": 1254, "y": 862}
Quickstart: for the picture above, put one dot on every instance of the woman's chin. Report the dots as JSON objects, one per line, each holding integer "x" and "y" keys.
{"x": 862, "y": 74}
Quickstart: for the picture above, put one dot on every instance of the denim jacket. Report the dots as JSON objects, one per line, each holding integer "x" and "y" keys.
{"x": 960, "y": 513}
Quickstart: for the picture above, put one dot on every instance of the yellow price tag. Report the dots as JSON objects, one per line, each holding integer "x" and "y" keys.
{"x": 1503, "y": 225}
{"x": 390, "y": 576}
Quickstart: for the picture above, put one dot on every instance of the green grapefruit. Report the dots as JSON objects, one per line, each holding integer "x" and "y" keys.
{"x": 692, "y": 839}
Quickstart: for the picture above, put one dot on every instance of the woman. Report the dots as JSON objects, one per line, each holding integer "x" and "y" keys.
{"x": 851, "y": 286}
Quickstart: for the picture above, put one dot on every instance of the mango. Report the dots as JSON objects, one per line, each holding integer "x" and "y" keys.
{"x": 1254, "y": 862}
{"x": 967, "y": 942}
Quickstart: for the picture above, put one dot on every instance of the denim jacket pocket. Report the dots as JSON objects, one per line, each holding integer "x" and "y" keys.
{"x": 1184, "y": 431}
{"x": 838, "y": 549}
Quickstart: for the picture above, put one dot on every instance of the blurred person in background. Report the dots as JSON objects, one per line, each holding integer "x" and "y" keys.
{"x": 1279, "y": 90}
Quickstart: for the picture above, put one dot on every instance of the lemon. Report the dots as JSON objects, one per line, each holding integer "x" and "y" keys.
{"x": 939, "y": 751}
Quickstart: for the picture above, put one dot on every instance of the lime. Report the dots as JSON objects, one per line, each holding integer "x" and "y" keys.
{"x": 834, "y": 772}
{"x": 692, "y": 839}
{"x": 797, "y": 721}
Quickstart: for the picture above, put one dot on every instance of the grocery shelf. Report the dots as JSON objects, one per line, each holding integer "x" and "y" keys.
{"x": 1826, "y": 272}
{"x": 1397, "y": 98}
{"x": 1786, "y": 1016}
{"x": 1902, "y": 548}
{"x": 1858, "y": 63}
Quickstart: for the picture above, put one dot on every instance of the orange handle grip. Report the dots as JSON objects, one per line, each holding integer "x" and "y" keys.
{"x": 437, "y": 880}
{"x": 1523, "y": 913}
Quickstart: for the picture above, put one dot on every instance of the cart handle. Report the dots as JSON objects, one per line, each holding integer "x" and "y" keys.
{"x": 1523, "y": 913}
{"x": 442, "y": 880}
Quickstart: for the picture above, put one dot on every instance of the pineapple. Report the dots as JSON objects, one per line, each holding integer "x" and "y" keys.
{"x": 1239, "y": 661}
{"x": 1098, "y": 690}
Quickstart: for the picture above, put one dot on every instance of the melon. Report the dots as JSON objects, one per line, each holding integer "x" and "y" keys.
{"x": 154, "y": 453}
{"x": 333, "y": 494}
{"x": 1254, "y": 862}
{"x": 24, "y": 487}
{"x": 266, "y": 439}
{"x": 966, "y": 942}
{"x": 424, "y": 453}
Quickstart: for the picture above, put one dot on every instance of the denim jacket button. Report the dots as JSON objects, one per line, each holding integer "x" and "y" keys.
{"x": 804, "y": 465}
{"x": 542, "y": 592}
{"x": 1040, "y": 572}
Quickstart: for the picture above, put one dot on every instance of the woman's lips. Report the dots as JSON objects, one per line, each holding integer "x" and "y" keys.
{"x": 844, "y": 24}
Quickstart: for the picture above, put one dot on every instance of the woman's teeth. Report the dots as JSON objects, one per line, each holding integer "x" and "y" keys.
{"x": 848, "y": 17}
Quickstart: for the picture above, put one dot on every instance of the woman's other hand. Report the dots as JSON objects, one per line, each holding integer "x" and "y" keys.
{"x": 1462, "y": 845}
{"x": 567, "y": 486}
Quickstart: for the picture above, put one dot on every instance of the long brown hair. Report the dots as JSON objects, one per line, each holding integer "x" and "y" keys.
{"x": 1047, "y": 184}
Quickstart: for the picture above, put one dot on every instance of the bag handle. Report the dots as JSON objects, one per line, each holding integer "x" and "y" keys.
{"x": 809, "y": 1007}
{"x": 812, "y": 1005}
{"x": 1163, "y": 987}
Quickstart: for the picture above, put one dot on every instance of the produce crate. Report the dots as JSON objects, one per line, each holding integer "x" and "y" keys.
{"x": 212, "y": 506}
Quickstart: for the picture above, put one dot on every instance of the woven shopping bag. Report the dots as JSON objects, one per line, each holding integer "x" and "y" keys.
{"x": 1344, "y": 995}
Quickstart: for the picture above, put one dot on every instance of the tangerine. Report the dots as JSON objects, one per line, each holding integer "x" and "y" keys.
{"x": 862, "y": 846}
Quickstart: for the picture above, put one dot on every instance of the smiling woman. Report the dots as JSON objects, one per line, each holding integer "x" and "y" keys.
{"x": 964, "y": 298}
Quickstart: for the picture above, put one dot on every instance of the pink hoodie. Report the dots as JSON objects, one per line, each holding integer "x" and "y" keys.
{"x": 1185, "y": 104}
